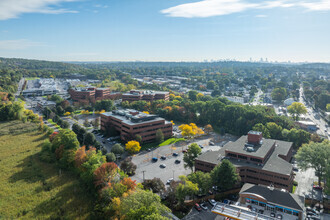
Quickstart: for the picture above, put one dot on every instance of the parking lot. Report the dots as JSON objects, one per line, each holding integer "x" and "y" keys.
{"x": 150, "y": 169}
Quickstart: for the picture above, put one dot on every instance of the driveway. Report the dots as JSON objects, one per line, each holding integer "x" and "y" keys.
{"x": 305, "y": 181}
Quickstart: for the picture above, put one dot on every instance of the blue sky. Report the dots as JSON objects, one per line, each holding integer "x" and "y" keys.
{"x": 165, "y": 30}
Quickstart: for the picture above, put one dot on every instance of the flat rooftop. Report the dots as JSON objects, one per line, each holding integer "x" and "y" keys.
{"x": 274, "y": 164}
{"x": 129, "y": 119}
{"x": 238, "y": 213}
{"x": 241, "y": 146}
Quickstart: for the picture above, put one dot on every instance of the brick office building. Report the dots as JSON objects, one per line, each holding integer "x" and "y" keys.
{"x": 86, "y": 96}
{"x": 257, "y": 160}
{"x": 130, "y": 123}
{"x": 144, "y": 95}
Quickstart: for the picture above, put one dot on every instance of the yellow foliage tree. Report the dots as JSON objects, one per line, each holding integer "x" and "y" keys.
{"x": 146, "y": 112}
{"x": 102, "y": 111}
{"x": 133, "y": 147}
{"x": 199, "y": 96}
{"x": 208, "y": 128}
{"x": 67, "y": 113}
{"x": 172, "y": 122}
{"x": 190, "y": 130}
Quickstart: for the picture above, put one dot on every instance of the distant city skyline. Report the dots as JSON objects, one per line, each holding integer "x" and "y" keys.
{"x": 158, "y": 30}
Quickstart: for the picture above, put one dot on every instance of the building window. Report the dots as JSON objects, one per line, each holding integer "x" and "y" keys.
{"x": 279, "y": 209}
{"x": 254, "y": 202}
{"x": 231, "y": 155}
{"x": 242, "y": 157}
{"x": 256, "y": 160}
{"x": 295, "y": 213}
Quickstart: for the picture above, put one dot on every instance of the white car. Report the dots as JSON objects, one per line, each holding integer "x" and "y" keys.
{"x": 168, "y": 182}
{"x": 212, "y": 202}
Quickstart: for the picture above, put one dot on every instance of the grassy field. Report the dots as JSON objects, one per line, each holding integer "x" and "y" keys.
{"x": 30, "y": 188}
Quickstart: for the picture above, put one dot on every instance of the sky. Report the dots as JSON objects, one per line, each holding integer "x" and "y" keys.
{"x": 166, "y": 30}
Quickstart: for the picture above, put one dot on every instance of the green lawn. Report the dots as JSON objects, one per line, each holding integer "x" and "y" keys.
{"x": 32, "y": 78}
{"x": 30, "y": 188}
{"x": 171, "y": 141}
{"x": 166, "y": 142}
{"x": 293, "y": 188}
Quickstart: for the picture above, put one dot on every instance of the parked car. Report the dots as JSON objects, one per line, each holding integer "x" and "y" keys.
{"x": 254, "y": 209}
{"x": 148, "y": 149}
{"x": 272, "y": 214}
{"x": 200, "y": 146}
{"x": 154, "y": 159}
{"x": 212, "y": 202}
{"x": 168, "y": 182}
{"x": 177, "y": 161}
{"x": 203, "y": 206}
{"x": 197, "y": 207}
{"x": 279, "y": 216}
{"x": 309, "y": 209}
{"x": 162, "y": 165}
{"x": 211, "y": 143}
{"x": 175, "y": 154}
{"x": 261, "y": 211}
{"x": 317, "y": 187}
{"x": 184, "y": 151}
{"x": 215, "y": 188}
{"x": 163, "y": 157}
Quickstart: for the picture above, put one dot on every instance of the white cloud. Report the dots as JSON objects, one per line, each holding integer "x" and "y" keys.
{"x": 261, "y": 16}
{"x": 20, "y": 44}
{"x": 323, "y": 5}
{"x": 209, "y": 8}
{"x": 14, "y": 8}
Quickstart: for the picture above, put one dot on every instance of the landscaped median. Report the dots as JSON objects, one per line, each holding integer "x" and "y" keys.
{"x": 166, "y": 142}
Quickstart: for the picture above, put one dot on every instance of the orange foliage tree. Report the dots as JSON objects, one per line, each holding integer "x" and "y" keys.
{"x": 80, "y": 157}
{"x": 105, "y": 174}
{"x": 129, "y": 183}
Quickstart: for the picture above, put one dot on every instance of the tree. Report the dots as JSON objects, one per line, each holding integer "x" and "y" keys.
{"x": 142, "y": 204}
{"x": 128, "y": 166}
{"x": 186, "y": 131}
{"x": 89, "y": 139}
{"x": 133, "y": 147}
{"x": 328, "y": 107}
{"x": 111, "y": 157}
{"x": 263, "y": 129}
{"x": 138, "y": 138}
{"x": 298, "y": 137}
{"x": 186, "y": 188}
{"x": 86, "y": 122}
{"x": 210, "y": 84}
{"x": 192, "y": 94}
{"x": 189, "y": 157}
{"x": 296, "y": 109}
{"x": 117, "y": 149}
{"x": 106, "y": 105}
{"x": 316, "y": 156}
{"x": 279, "y": 94}
{"x": 96, "y": 123}
{"x": 203, "y": 180}
{"x": 275, "y": 131}
{"x": 208, "y": 128}
{"x": 65, "y": 124}
{"x": 105, "y": 175}
{"x": 67, "y": 138}
{"x": 159, "y": 136}
{"x": 224, "y": 175}
{"x": 155, "y": 185}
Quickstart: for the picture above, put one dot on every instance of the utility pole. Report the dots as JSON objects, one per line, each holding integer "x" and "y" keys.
{"x": 143, "y": 174}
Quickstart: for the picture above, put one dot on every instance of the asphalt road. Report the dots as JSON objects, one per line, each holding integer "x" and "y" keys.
{"x": 305, "y": 181}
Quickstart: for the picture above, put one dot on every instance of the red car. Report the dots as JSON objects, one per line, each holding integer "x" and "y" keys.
{"x": 184, "y": 151}
{"x": 317, "y": 187}
{"x": 197, "y": 207}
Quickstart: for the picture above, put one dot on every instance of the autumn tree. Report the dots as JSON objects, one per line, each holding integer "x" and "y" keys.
{"x": 208, "y": 129}
{"x": 80, "y": 157}
{"x": 105, "y": 175}
{"x": 133, "y": 147}
{"x": 316, "y": 156}
{"x": 129, "y": 183}
{"x": 296, "y": 109}
{"x": 189, "y": 157}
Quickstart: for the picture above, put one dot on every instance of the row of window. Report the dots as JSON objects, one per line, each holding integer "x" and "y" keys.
{"x": 244, "y": 157}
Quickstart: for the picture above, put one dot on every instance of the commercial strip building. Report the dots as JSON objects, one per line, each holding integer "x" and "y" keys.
{"x": 273, "y": 200}
{"x": 257, "y": 160}
{"x": 85, "y": 96}
{"x": 145, "y": 95}
{"x": 43, "y": 104}
{"x": 130, "y": 123}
